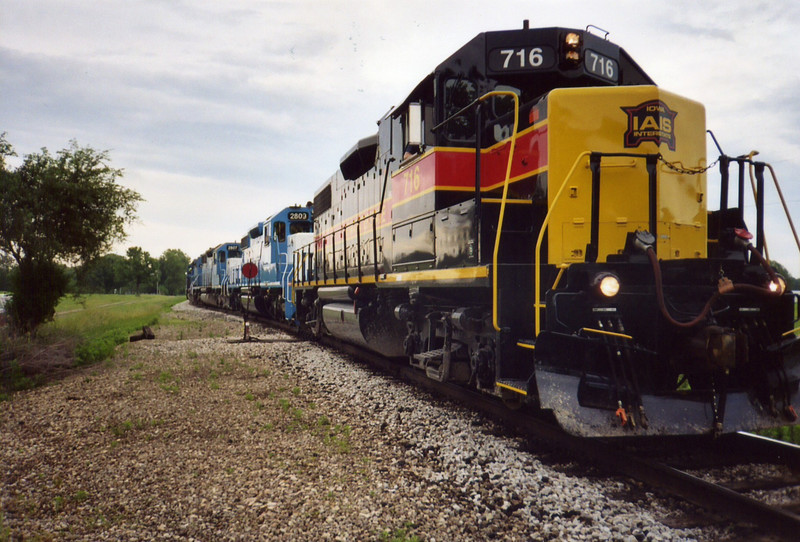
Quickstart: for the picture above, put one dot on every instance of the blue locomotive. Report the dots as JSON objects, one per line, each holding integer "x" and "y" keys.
{"x": 256, "y": 274}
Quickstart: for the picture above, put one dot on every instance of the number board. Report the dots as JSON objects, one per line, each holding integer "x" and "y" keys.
{"x": 298, "y": 215}
{"x": 514, "y": 59}
{"x": 601, "y": 66}
{"x": 233, "y": 247}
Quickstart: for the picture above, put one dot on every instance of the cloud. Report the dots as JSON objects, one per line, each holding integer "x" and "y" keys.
{"x": 221, "y": 113}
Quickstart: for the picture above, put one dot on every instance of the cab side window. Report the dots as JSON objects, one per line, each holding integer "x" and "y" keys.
{"x": 459, "y": 93}
{"x": 280, "y": 232}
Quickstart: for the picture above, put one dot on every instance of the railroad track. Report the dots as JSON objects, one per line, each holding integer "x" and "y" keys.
{"x": 727, "y": 499}
{"x": 664, "y": 464}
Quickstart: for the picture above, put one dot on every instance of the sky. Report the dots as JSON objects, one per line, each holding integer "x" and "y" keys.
{"x": 221, "y": 113}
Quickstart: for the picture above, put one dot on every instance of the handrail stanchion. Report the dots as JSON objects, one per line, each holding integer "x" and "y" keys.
{"x": 538, "y": 257}
{"x": 358, "y": 247}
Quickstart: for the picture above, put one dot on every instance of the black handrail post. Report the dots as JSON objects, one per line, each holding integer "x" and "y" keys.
{"x": 478, "y": 147}
{"x": 593, "y": 248}
{"x": 724, "y": 161}
{"x": 333, "y": 254}
{"x": 375, "y": 244}
{"x": 652, "y": 175}
{"x": 741, "y": 182}
{"x": 344, "y": 251}
{"x": 358, "y": 247}
{"x": 759, "y": 167}
{"x": 325, "y": 259}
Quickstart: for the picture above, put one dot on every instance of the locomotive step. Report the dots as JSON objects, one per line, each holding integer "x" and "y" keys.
{"x": 430, "y": 355}
{"x": 518, "y": 386}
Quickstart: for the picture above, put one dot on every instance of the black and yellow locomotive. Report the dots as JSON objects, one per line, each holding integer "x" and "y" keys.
{"x": 532, "y": 220}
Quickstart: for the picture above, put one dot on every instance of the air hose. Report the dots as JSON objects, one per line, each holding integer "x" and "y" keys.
{"x": 725, "y": 286}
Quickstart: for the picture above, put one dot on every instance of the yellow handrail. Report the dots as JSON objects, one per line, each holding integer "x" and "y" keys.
{"x": 538, "y": 259}
{"x": 503, "y": 199}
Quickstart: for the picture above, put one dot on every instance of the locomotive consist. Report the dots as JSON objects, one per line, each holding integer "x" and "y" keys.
{"x": 532, "y": 221}
{"x": 221, "y": 277}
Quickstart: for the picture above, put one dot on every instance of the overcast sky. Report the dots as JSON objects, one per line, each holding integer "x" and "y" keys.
{"x": 221, "y": 113}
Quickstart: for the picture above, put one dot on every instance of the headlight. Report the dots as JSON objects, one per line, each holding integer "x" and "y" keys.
{"x": 777, "y": 287}
{"x": 607, "y": 284}
{"x": 572, "y": 47}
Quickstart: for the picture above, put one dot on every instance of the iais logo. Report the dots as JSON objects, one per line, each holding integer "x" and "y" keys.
{"x": 650, "y": 121}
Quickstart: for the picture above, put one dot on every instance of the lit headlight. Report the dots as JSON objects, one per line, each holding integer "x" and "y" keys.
{"x": 607, "y": 284}
{"x": 573, "y": 40}
{"x": 572, "y": 47}
{"x": 777, "y": 287}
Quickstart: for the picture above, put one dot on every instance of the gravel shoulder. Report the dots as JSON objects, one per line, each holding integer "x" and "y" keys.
{"x": 196, "y": 436}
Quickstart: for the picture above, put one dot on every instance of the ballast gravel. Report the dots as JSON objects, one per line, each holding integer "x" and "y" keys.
{"x": 197, "y": 435}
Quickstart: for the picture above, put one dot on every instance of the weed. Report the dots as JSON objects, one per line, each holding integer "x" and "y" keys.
{"x": 15, "y": 379}
{"x": 171, "y": 388}
{"x": 295, "y": 391}
{"x": 123, "y": 428}
{"x": 284, "y": 404}
{"x": 58, "y": 504}
{"x": 338, "y": 437}
{"x": 402, "y": 534}
{"x": 80, "y": 496}
{"x": 99, "y": 348}
{"x": 297, "y": 422}
{"x": 168, "y": 382}
{"x": 249, "y": 396}
{"x": 5, "y": 532}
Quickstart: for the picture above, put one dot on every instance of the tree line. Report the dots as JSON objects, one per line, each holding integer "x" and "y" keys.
{"x": 60, "y": 214}
{"x": 135, "y": 273}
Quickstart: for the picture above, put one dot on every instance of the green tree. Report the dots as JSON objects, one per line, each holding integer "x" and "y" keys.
{"x": 141, "y": 268}
{"x": 106, "y": 274}
{"x": 172, "y": 271}
{"x": 62, "y": 209}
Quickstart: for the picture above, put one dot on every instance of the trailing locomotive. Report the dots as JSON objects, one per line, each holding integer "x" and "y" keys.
{"x": 532, "y": 221}
{"x": 254, "y": 275}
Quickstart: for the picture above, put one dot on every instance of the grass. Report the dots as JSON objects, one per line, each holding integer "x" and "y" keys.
{"x": 99, "y": 315}
{"x": 85, "y": 330}
{"x": 790, "y": 433}
{"x": 104, "y": 321}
